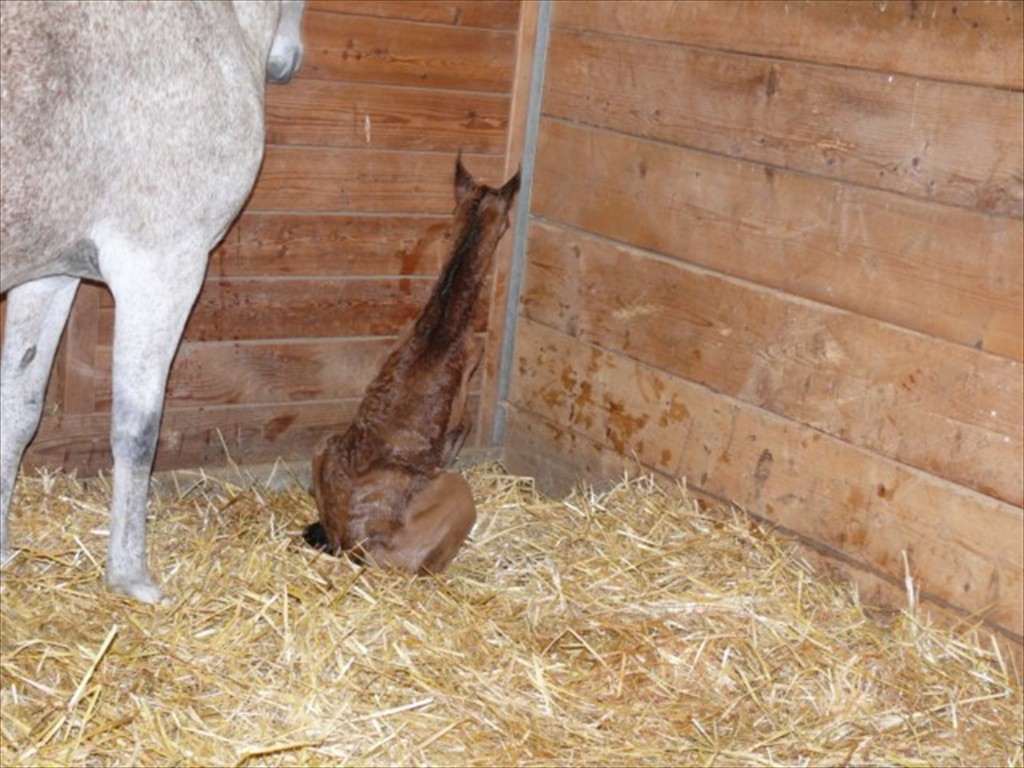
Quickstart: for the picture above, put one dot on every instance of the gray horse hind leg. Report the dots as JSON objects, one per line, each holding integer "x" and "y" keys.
{"x": 153, "y": 299}
{"x": 36, "y": 315}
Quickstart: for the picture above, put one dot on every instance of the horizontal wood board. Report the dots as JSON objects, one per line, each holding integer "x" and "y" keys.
{"x": 200, "y": 437}
{"x": 950, "y": 40}
{"x": 326, "y": 113}
{"x": 393, "y": 51}
{"x": 499, "y": 14}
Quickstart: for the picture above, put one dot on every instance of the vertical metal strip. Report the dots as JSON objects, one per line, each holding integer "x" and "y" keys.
{"x": 518, "y": 265}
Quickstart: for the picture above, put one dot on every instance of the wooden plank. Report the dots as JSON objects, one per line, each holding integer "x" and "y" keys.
{"x": 195, "y": 437}
{"x": 949, "y": 410}
{"x": 265, "y": 309}
{"x": 235, "y": 309}
{"x": 362, "y": 49}
{"x": 497, "y": 327}
{"x": 335, "y": 245}
{"x": 494, "y": 14}
{"x": 916, "y": 137}
{"x": 967, "y": 549}
{"x": 263, "y": 373}
{"x": 943, "y": 271}
{"x": 332, "y": 114}
{"x": 905, "y": 36}
{"x": 559, "y": 458}
{"x": 321, "y": 179}
{"x": 198, "y": 437}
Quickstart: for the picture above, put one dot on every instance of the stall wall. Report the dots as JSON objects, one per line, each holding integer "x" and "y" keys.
{"x": 775, "y": 250}
{"x": 335, "y": 251}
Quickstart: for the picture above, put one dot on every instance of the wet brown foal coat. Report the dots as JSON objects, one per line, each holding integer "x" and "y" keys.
{"x": 380, "y": 487}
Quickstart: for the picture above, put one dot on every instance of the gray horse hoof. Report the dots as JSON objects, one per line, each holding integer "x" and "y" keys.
{"x": 143, "y": 590}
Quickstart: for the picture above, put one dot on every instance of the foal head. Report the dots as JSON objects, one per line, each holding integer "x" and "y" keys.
{"x": 481, "y": 208}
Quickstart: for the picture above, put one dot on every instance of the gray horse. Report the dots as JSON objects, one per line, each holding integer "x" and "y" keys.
{"x": 131, "y": 136}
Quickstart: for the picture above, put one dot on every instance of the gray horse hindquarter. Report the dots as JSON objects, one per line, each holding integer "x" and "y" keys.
{"x": 131, "y": 136}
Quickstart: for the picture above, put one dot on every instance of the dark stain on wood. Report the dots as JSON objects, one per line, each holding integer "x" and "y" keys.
{"x": 763, "y": 470}
{"x": 277, "y": 425}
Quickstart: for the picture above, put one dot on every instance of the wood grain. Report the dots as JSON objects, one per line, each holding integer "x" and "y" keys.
{"x": 362, "y": 49}
{"x": 500, "y": 14}
{"x": 906, "y": 36}
{"x": 321, "y": 179}
{"x": 952, "y": 411}
{"x": 932, "y": 140}
{"x": 198, "y": 437}
{"x": 335, "y": 245}
{"x": 942, "y": 271}
{"x": 269, "y": 373}
{"x": 315, "y": 308}
{"x": 266, "y": 373}
{"x": 355, "y": 116}
{"x": 234, "y": 309}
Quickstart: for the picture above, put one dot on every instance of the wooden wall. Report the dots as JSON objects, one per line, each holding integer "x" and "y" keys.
{"x": 335, "y": 251}
{"x": 776, "y": 249}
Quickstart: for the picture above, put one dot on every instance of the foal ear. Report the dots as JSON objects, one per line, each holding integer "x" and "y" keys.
{"x": 464, "y": 183}
{"x": 511, "y": 187}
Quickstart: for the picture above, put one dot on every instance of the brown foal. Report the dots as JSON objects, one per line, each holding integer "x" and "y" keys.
{"x": 380, "y": 487}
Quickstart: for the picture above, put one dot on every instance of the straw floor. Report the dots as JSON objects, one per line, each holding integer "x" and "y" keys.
{"x": 621, "y": 628}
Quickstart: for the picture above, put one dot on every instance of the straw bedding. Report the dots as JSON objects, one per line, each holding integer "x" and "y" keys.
{"x": 627, "y": 627}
